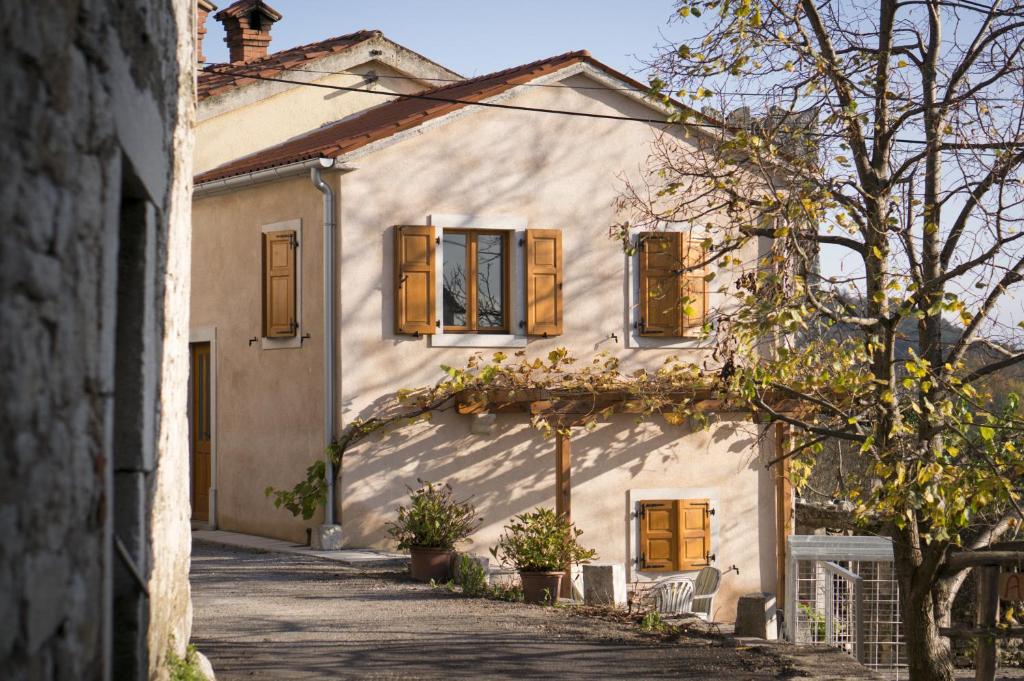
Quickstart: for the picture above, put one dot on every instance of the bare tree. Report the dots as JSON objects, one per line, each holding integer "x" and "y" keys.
{"x": 881, "y": 172}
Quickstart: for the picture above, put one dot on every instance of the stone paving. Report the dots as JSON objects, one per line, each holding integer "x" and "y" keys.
{"x": 264, "y": 611}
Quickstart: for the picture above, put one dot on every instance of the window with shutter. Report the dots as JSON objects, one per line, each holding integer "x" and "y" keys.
{"x": 694, "y": 534}
{"x": 658, "y": 536}
{"x": 673, "y": 298}
{"x": 414, "y": 279}
{"x": 475, "y": 280}
{"x": 543, "y": 282}
{"x": 675, "y": 535}
{"x": 279, "y": 320}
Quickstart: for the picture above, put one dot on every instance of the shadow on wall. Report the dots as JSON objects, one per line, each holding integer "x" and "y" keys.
{"x": 511, "y": 470}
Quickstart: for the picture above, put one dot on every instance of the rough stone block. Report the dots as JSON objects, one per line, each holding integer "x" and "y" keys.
{"x": 604, "y": 584}
{"x": 755, "y": 616}
{"x": 328, "y": 538}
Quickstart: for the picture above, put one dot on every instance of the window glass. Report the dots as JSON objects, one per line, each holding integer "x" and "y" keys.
{"x": 456, "y": 280}
{"x": 490, "y": 281}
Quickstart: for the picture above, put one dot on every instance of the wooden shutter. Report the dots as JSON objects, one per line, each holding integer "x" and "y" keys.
{"x": 414, "y": 279}
{"x": 279, "y": 319}
{"x": 673, "y": 302}
{"x": 694, "y": 534}
{"x": 659, "y": 546}
{"x": 659, "y": 284}
{"x": 543, "y": 282}
{"x": 693, "y": 287}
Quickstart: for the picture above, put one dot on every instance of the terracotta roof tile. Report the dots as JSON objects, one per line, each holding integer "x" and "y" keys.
{"x": 397, "y": 115}
{"x": 216, "y": 79}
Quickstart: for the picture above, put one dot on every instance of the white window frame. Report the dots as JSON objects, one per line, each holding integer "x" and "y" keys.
{"x": 296, "y": 340}
{"x": 635, "y": 496}
{"x": 633, "y": 338}
{"x": 516, "y": 226}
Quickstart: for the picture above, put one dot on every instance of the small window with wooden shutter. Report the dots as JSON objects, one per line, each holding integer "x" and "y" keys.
{"x": 414, "y": 280}
{"x": 279, "y": 320}
{"x": 673, "y": 288}
{"x": 675, "y": 535}
{"x": 543, "y": 282}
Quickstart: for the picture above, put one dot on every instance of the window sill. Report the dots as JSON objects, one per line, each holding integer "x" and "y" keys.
{"x": 635, "y": 340}
{"x": 282, "y": 343}
{"x": 477, "y": 340}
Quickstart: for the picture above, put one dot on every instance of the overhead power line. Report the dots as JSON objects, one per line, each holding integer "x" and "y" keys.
{"x": 561, "y": 112}
{"x": 424, "y": 79}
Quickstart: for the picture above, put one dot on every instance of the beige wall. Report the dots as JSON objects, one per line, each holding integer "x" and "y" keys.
{"x": 255, "y": 125}
{"x": 511, "y": 470}
{"x": 554, "y": 171}
{"x": 269, "y": 403}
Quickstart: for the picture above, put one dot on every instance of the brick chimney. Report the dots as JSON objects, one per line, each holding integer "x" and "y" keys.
{"x": 203, "y": 9}
{"x": 247, "y": 23}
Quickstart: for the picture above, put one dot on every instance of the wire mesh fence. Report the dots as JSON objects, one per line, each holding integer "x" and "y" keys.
{"x": 843, "y": 593}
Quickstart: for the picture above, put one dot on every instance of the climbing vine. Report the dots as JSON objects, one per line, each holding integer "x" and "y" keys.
{"x": 563, "y": 391}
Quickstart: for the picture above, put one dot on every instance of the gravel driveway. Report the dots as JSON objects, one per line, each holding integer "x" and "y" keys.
{"x": 272, "y": 616}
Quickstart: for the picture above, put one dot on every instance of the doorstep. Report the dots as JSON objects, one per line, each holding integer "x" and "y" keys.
{"x": 353, "y": 557}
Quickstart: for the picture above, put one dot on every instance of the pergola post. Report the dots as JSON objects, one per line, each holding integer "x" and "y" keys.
{"x": 783, "y": 513}
{"x": 563, "y": 494}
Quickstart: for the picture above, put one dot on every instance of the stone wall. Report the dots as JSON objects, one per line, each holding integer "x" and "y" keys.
{"x": 94, "y": 243}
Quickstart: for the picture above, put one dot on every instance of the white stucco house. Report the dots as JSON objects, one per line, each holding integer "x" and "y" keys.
{"x": 347, "y": 244}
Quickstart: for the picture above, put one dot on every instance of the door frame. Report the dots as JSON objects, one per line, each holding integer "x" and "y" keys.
{"x": 207, "y": 334}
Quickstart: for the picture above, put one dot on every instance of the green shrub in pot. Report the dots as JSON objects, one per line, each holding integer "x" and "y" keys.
{"x": 541, "y": 544}
{"x": 430, "y": 527}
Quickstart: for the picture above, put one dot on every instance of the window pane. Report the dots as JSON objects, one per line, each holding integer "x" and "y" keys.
{"x": 490, "y": 281}
{"x": 455, "y": 280}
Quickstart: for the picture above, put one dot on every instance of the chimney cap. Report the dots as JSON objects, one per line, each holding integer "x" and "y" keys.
{"x": 244, "y": 7}
{"x": 206, "y": 5}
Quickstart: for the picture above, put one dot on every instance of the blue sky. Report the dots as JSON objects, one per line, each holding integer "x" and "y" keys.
{"x": 475, "y": 37}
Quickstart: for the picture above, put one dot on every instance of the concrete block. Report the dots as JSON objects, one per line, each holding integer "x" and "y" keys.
{"x": 755, "y": 616}
{"x": 604, "y": 584}
{"x": 327, "y": 538}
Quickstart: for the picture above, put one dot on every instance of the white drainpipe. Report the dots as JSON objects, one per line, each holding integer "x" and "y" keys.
{"x": 328, "y": 248}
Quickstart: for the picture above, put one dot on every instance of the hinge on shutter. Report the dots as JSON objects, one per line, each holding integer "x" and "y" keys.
{"x": 522, "y": 324}
{"x": 293, "y": 326}
{"x": 643, "y": 560}
{"x": 522, "y": 241}
{"x": 437, "y": 239}
{"x": 437, "y": 323}
{"x": 293, "y": 241}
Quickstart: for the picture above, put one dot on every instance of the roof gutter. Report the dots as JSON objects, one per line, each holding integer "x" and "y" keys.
{"x": 228, "y": 184}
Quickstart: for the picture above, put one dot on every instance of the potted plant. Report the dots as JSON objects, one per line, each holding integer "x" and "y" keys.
{"x": 430, "y": 527}
{"x": 541, "y": 544}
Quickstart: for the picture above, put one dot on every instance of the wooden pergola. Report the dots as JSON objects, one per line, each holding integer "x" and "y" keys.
{"x": 567, "y": 408}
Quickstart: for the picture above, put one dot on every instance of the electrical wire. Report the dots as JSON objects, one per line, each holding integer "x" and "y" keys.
{"x": 732, "y": 93}
{"x": 562, "y": 112}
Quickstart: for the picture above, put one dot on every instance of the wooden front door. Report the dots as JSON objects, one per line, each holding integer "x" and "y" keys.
{"x": 200, "y": 427}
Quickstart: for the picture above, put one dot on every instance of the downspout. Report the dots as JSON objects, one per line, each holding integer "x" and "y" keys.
{"x": 328, "y": 248}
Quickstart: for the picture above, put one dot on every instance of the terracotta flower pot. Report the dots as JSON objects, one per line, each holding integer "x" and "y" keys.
{"x": 541, "y": 587}
{"x": 430, "y": 564}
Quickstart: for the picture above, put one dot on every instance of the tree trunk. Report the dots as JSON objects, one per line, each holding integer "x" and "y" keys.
{"x": 929, "y": 657}
{"x": 928, "y": 654}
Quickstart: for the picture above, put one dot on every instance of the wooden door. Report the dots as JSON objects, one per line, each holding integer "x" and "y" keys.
{"x": 200, "y": 427}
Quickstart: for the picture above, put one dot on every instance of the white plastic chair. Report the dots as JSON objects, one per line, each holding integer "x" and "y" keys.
{"x": 671, "y": 595}
{"x": 705, "y": 587}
